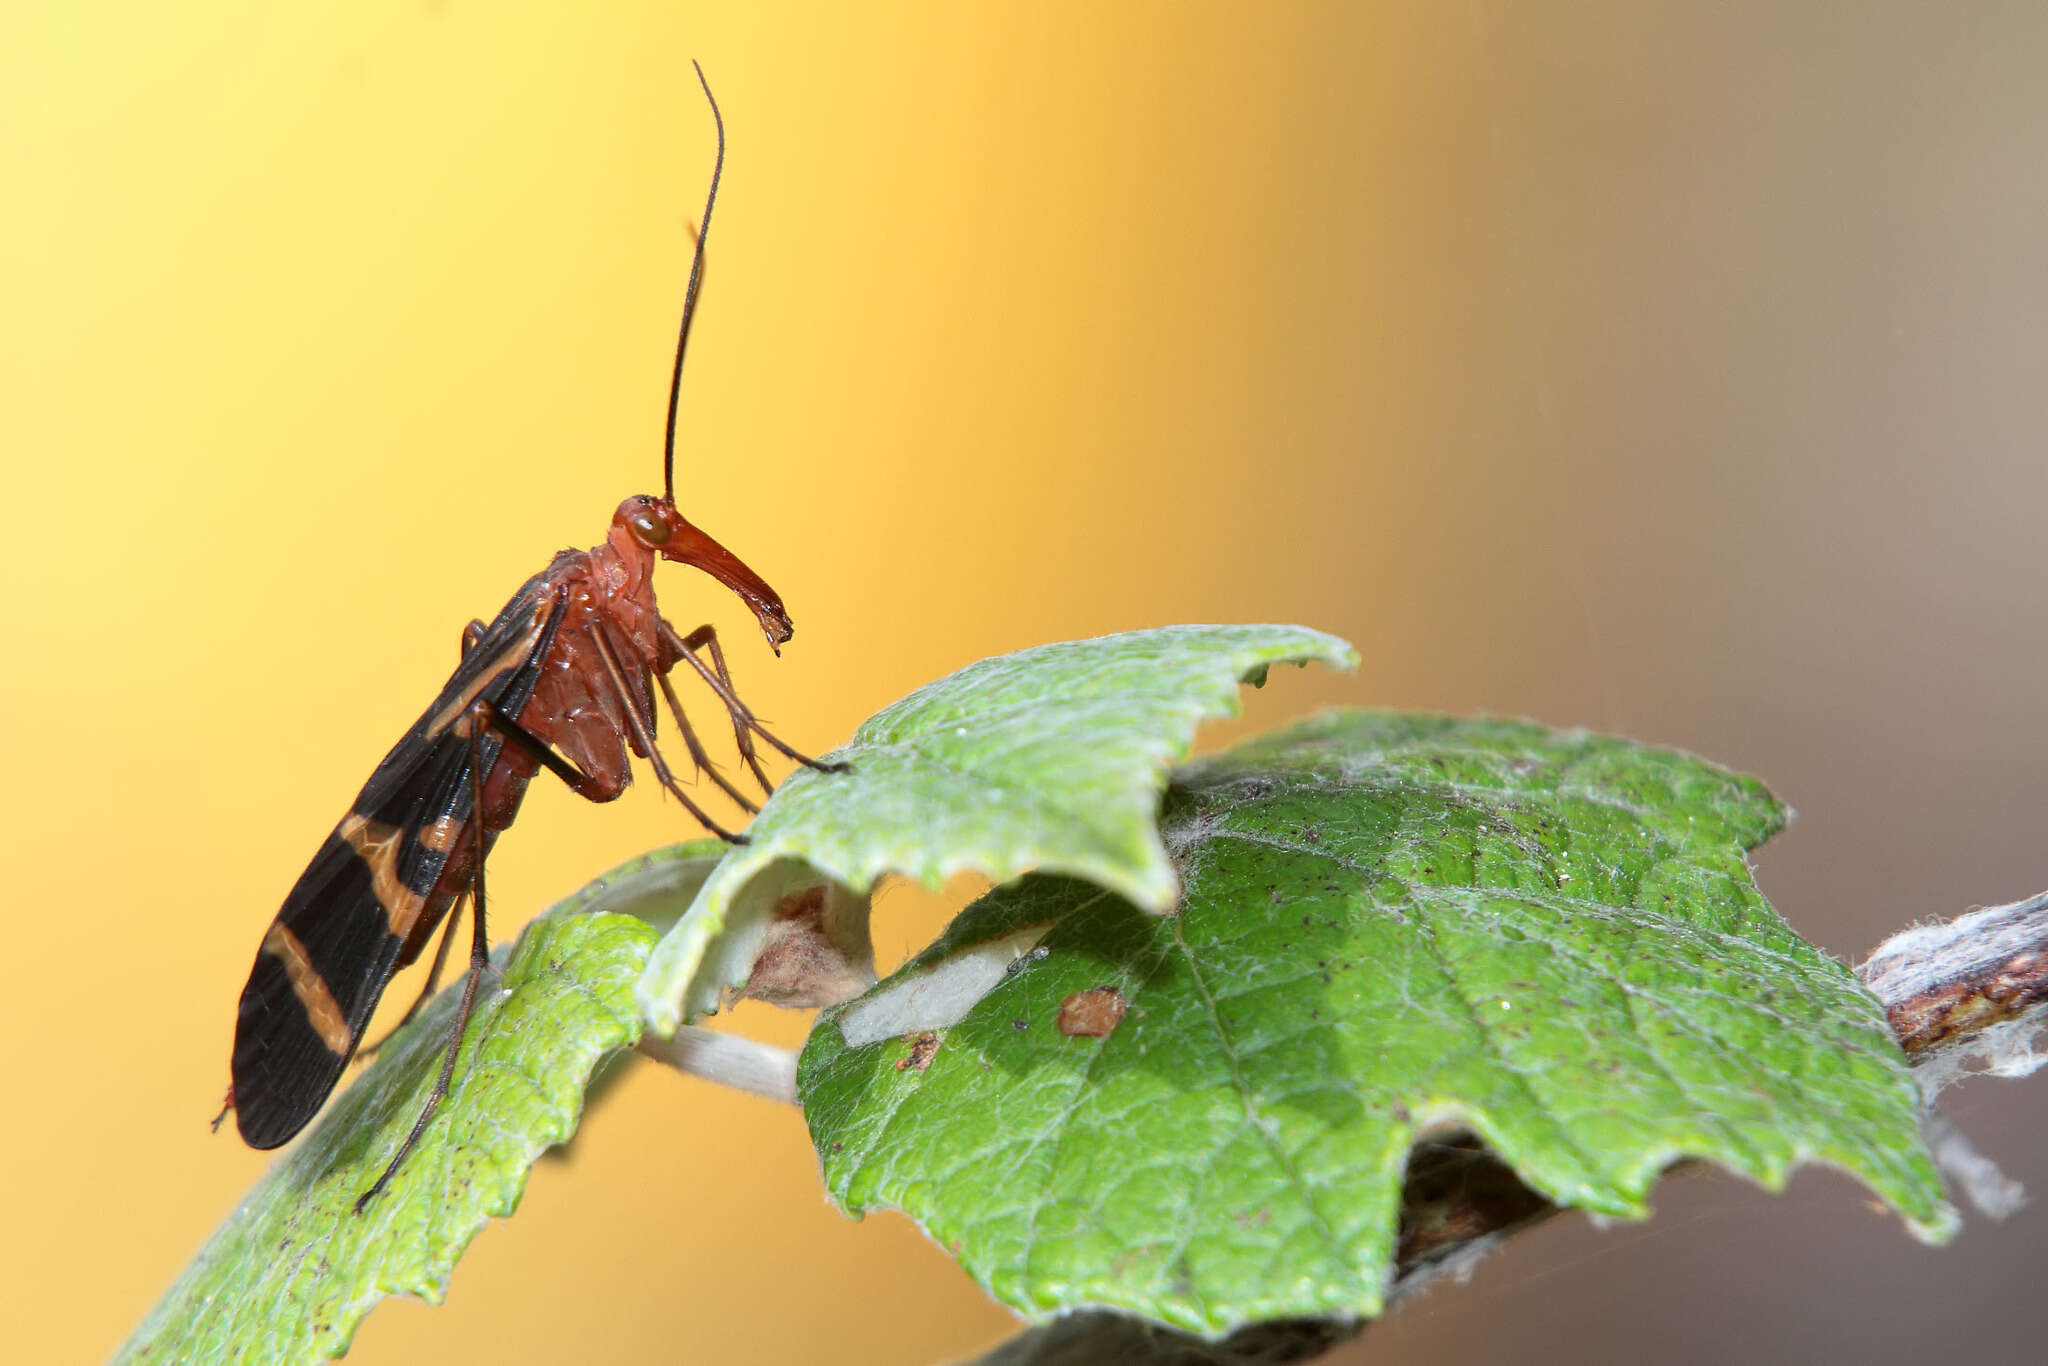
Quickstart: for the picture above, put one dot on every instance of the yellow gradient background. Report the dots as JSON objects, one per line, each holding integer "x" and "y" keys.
{"x": 1674, "y": 370}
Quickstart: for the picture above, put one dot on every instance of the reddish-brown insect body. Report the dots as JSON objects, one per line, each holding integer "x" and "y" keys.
{"x": 563, "y": 678}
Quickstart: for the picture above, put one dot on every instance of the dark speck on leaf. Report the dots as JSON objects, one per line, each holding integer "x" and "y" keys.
{"x": 1020, "y": 1024}
{"x": 1023, "y": 961}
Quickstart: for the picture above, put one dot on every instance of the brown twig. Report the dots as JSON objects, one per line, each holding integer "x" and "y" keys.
{"x": 1969, "y": 988}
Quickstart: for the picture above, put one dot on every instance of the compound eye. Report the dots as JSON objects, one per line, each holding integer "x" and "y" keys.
{"x": 649, "y": 528}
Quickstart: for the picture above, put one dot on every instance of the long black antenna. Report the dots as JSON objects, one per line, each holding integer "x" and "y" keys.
{"x": 675, "y": 383}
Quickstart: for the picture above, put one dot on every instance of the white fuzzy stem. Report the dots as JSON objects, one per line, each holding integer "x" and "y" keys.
{"x": 729, "y": 1060}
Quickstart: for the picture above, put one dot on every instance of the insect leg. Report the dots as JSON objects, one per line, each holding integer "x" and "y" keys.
{"x": 543, "y": 753}
{"x": 742, "y": 719}
{"x": 479, "y": 955}
{"x": 719, "y": 679}
{"x": 697, "y": 754}
{"x": 433, "y": 981}
{"x": 643, "y": 738}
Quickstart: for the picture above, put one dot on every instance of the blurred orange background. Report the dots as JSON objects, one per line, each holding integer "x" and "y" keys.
{"x": 1673, "y": 370}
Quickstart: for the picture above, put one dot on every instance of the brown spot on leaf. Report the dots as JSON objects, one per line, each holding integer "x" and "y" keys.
{"x": 922, "y": 1049}
{"x": 1091, "y": 1014}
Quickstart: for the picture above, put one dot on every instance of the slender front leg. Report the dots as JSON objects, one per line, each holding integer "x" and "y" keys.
{"x": 696, "y": 747}
{"x": 745, "y": 724}
{"x": 643, "y": 737}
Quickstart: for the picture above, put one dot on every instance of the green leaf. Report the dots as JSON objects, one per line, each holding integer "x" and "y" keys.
{"x": 1050, "y": 758}
{"x": 294, "y": 1269}
{"x": 1393, "y": 926}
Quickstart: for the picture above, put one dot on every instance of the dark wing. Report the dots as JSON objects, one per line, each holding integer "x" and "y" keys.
{"x": 332, "y": 948}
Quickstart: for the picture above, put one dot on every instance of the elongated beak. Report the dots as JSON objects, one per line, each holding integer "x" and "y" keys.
{"x": 696, "y": 549}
